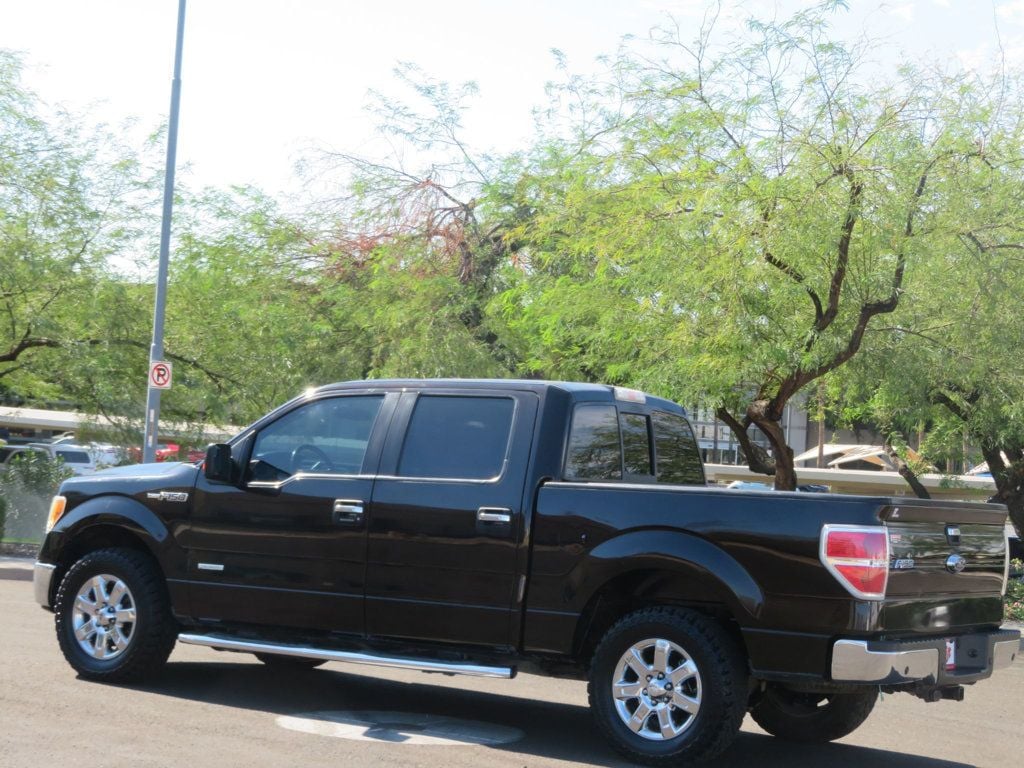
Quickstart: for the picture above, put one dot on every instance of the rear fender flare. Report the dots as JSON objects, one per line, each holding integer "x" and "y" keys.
{"x": 671, "y": 552}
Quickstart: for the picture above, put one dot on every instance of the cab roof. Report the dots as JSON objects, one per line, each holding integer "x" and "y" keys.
{"x": 578, "y": 391}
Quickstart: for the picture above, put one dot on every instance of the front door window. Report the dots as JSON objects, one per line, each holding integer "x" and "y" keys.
{"x": 325, "y": 437}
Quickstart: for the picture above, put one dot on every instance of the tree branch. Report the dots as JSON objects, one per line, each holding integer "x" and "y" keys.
{"x": 826, "y": 318}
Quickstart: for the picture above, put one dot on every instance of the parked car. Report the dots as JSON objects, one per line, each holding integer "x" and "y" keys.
{"x": 747, "y": 485}
{"x": 8, "y": 452}
{"x": 1016, "y": 546}
{"x": 164, "y": 452}
{"x": 106, "y": 454}
{"x": 480, "y": 527}
{"x": 75, "y": 457}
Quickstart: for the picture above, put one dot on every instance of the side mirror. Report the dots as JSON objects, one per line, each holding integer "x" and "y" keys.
{"x": 218, "y": 465}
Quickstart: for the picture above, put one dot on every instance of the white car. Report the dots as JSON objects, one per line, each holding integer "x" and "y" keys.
{"x": 106, "y": 455}
{"x": 77, "y": 458}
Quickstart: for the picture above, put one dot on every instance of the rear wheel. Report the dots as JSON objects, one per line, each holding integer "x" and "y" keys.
{"x": 668, "y": 686}
{"x": 113, "y": 616}
{"x": 277, "y": 661}
{"x": 812, "y": 717}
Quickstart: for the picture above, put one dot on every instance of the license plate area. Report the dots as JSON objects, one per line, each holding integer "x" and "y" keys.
{"x": 951, "y": 654}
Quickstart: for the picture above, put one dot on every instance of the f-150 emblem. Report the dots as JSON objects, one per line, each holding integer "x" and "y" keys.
{"x": 168, "y": 496}
{"x": 955, "y": 563}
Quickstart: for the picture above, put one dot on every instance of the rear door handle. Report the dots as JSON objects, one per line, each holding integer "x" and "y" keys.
{"x": 348, "y": 511}
{"x": 494, "y": 515}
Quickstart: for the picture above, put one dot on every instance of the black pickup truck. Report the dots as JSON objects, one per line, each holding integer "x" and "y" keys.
{"x": 480, "y": 527}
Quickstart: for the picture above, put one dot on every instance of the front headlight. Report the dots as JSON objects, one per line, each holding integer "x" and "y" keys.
{"x": 57, "y": 507}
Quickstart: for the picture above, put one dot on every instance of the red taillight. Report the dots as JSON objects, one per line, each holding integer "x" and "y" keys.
{"x": 857, "y": 544}
{"x": 858, "y": 556}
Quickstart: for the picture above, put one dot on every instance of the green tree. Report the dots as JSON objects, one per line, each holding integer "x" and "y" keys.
{"x": 414, "y": 235}
{"x": 250, "y": 321}
{"x": 951, "y": 357}
{"x": 733, "y": 229}
{"x": 69, "y": 200}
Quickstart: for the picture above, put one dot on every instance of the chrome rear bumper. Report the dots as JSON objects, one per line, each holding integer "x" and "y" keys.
{"x": 894, "y": 662}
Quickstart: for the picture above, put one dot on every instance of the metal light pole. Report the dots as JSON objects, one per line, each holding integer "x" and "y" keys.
{"x": 156, "y": 350}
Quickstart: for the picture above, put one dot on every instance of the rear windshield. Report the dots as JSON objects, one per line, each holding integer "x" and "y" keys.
{"x": 609, "y": 445}
{"x": 678, "y": 457}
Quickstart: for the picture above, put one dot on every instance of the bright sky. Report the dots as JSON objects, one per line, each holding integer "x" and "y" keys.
{"x": 264, "y": 80}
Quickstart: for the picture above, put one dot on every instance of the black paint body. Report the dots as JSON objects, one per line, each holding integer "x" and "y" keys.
{"x": 420, "y": 570}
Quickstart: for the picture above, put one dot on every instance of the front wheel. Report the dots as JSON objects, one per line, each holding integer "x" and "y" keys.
{"x": 113, "y": 616}
{"x": 812, "y": 718}
{"x": 668, "y": 686}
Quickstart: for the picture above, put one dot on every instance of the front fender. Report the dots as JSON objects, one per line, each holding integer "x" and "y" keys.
{"x": 118, "y": 511}
{"x": 710, "y": 568}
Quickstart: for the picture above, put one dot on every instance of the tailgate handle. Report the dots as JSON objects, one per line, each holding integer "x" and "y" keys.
{"x": 347, "y": 511}
{"x": 494, "y": 515}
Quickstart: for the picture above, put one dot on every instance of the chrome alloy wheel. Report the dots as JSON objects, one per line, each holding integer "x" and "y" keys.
{"x": 657, "y": 689}
{"x": 104, "y": 617}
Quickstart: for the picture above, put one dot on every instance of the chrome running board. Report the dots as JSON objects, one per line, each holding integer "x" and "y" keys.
{"x": 352, "y": 657}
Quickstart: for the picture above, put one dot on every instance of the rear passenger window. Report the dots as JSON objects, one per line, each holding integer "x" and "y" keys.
{"x": 678, "y": 460}
{"x": 74, "y": 457}
{"x": 457, "y": 437}
{"x": 595, "y": 451}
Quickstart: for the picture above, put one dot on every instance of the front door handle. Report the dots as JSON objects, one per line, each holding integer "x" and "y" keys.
{"x": 348, "y": 511}
{"x": 494, "y": 515}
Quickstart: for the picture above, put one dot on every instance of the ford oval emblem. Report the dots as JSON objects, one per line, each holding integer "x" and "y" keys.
{"x": 955, "y": 563}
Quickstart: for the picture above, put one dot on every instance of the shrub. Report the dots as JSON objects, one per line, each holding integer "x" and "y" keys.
{"x": 1015, "y": 594}
{"x": 26, "y": 485}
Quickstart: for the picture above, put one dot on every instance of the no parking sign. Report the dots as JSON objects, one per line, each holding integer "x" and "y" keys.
{"x": 160, "y": 375}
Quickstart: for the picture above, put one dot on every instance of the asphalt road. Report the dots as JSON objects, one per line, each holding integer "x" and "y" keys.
{"x": 220, "y": 710}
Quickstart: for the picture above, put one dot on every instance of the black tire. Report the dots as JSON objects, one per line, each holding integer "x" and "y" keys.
{"x": 722, "y": 677}
{"x": 812, "y": 718}
{"x": 277, "y": 661}
{"x": 152, "y": 634}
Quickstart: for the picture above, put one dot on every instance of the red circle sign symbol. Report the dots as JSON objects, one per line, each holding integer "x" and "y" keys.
{"x": 160, "y": 374}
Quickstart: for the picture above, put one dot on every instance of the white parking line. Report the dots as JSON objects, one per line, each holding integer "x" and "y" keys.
{"x": 400, "y": 728}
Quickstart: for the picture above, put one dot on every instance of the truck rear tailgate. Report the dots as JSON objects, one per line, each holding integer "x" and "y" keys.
{"x": 945, "y": 549}
{"x": 947, "y": 566}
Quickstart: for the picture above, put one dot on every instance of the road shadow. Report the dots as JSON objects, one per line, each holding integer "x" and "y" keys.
{"x": 555, "y": 731}
{"x": 15, "y": 574}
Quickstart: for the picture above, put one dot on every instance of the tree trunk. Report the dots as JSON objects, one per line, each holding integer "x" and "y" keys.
{"x": 757, "y": 458}
{"x": 906, "y": 472}
{"x": 1009, "y": 479}
{"x": 785, "y": 472}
